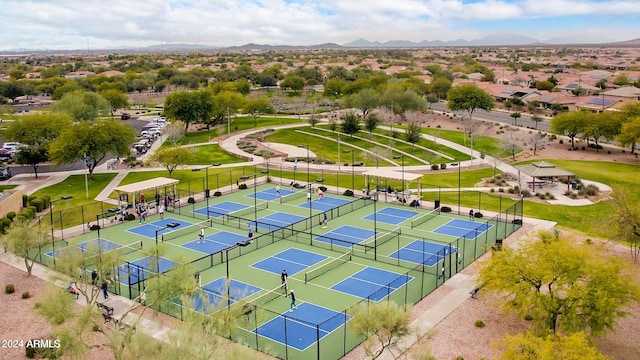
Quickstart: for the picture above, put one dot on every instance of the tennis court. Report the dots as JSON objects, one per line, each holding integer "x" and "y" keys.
{"x": 391, "y": 215}
{"x": 372, "y": 283}
{"x": 215, "y": 242}
{"x": 460, "y": 228}
{"x": 269, "y": 194}
{"x": 305, "y": 325}
{"x": 90, "y": 247}
{"x": 139, "y": 270}
{"x": 277, "y": 220}
{"x": 423, "y": 252}
{"x": 325, "y": 204}
{"x": 223, "y": 208}
{"x": 293, "y": 260}
{"x": 346, "y": 236}
{"x": 217, "y": 294}
{"x": 159, "y": 226}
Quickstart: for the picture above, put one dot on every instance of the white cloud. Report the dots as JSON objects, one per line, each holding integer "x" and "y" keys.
{"x": 71, "y": 24}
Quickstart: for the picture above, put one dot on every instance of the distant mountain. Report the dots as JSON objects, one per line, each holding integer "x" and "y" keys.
{"x": 178, "y": 47}
{"x": 259, "y": 47}
{"x": 499, "y": 39}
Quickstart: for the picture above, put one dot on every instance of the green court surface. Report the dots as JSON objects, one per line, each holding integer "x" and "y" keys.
{"x": 369, "y": 251}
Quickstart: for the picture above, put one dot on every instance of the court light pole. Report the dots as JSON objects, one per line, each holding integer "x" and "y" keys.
{"x": 310, "y": 196}
{"x": 353, "y": 182}
{"x": 403, "y": 192}
{"x": 53, "y": 243}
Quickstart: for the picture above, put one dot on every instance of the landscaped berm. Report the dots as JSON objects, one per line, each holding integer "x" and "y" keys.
{"x": 369, "y": 251}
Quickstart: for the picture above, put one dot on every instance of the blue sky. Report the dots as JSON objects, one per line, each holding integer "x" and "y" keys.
{"x": 73, "y": 24}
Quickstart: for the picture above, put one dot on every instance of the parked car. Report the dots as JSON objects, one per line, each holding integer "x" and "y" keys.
{"x": 5, "y": 173}
{"x": 151, "y": 133}
{"x": 125, "y": 116}
{"x": 11, "y": 146}
{"x": 6, "y": 155}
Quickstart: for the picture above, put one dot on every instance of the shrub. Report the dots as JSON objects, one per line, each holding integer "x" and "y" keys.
{"x": 9, "y": 289}
{"x": 542, "y": 197}
{"x": 479, "y": 324}
{"x": 191, "y": 200}
{"x": 25, "y": 200}
{"x": 443, "y": 166}
{"x": 242, "y": 186}
{"x": 11, "y": 215}
{"x": 435, "y": 167}
{"x": 477, "y": 215}
{"x": 217, "y": 193}
{"x": 130, "y": 217}
{"x": 94, "y": 227}
{"x": 348, "y": 193}
{"x": 38, "y": 204}
{"x": 528, "y": 317}
{"x": 526, "y": 193}
{"x": 26, "y": 295}
{"x": 4, "y": 225}
{"x": 511, "y": 190}
{"x": 501, "y": 190}
{"x": 492, "y": 190}
{"x": 21, "y": 218}
{"x": 573, "y": 196}
{"x": 445, "y": 209}
{"x": 591, "y": 190}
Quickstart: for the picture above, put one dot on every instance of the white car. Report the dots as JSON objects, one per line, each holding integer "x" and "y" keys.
{"x": 11, "y": 146}
{"x": 151, "y": 133}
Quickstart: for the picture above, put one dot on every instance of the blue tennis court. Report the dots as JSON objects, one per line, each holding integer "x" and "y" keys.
{"x": 460, "y": 228}
{"x": 277, "y": 221}
{"x": 149, "y": 229}
{"x": 135, "y": 271}
{"x": 215, "y": 242}
{"x": 223, "y": 208}
{"x": 372, "y": 283}
{"x": 346, "y": 236}
{"x": 216, "y": 294}
{"x": 270, "y": 194}
{"x": 304, "y": 325}
{"x": 423, "y": 252}
{"x": 90, "y": 247}
{"x": 324, "y": 204}
{"x": 391, "y": 215}
{"x": 293, "y": 260}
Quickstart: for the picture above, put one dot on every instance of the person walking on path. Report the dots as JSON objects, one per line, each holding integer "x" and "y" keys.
{"x": 324, "y": 220}
{"x": 471, "y": 214}
{"x": 201, "y": 235}
{"x": 283, "y": 278}
{"x": 94, "y": 277}
{"x": 293, "y": 301}
{"x": 105, "y": 288}
{"x": 161, "y": 211}
{"x": 250, "y": 233}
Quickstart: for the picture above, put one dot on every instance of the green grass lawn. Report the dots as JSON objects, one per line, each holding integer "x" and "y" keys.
{"x": 7, "y": 187}
{"x": 456, "y": 155}
{"x": 213, "y": 154}
{"x": 325, "y": 149}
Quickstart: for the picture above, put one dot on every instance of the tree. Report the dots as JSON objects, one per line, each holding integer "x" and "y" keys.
{"x": 515, "y": 117}
{"x": 257, "y": 108}
{"x": 92, "y": 141}
{"x": 23, "y": 240}
{"x": 413, "y": 134}
{"x": 545, "y": 85}
{"x": 82, "y": 105}
{"x": 431, "y": 99}
{"x": 630, "y": 130}
{"x": 621, "y": 79}
{"x": 469, "y": 98}
{"x": 173, "y": 132}
{"x": 381, "y": 323}
{"x": 350, "y": 123}
{"x": 402, "y": 101}
{"x": 440, "y": 87}
{"x": 561, "y": 285}
{"x": 292, "y": 82}
{"x": 528, "y": 346}
{"x": 570, "y": 124}
{"x": 625, "y": 220}
{"x": 365, "y": 100}
{"x": 116, "y": 99}
{"x": 536, "y": 119}
{"x": 37, "y": 129}
{"x": 225, "y": 104}
{"x": 32, "y": 155}
{"x": 172, "y": 157}
{"x": 189, "y": 107}
{"x": 371, "y": 122}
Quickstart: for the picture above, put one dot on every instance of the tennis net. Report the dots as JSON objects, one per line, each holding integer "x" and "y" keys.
{"x": 268, "y": 297}
{"x": 293, "y": 197}
{"x": 322, "y": 269}
{"x": 381, "y": 239}
{"x": 249, "y": 210}
{"x": 190, "y": 229}
{"x": 424, "y": 218}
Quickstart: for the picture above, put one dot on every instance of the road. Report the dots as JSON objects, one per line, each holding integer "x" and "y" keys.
{"x": 500, "y": 117}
